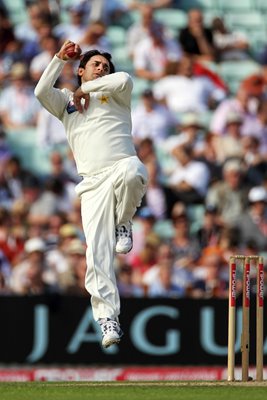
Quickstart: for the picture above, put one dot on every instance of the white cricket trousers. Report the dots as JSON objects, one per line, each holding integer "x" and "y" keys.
{"x": 108, "y": 198}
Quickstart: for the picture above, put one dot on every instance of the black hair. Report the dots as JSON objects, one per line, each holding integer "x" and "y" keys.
{"x": 89, "y": 54}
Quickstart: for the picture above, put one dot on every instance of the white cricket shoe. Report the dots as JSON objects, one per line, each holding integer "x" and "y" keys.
{"x": 124, "y": 238}
{"x": 111, "y": 332}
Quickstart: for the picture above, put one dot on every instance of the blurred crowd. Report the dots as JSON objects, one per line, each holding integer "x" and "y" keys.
{"x": 205, "y": 148}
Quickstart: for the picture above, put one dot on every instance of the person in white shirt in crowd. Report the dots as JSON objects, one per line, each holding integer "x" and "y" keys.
{"x": 189, "y": 182}
{"x": 153, "y": 53}
{"x": 140, "y": 29}
{"x": 229, "y": 44}
{"x": 97, "y": 119}
{"x": 50, "y": 131}
{"x": 49, "y": 45}
{"x": 245, "y": 102}
{"x": 152, "y": 120}
{"x": 18, "y": 106}
{"x": 183, "y": 91}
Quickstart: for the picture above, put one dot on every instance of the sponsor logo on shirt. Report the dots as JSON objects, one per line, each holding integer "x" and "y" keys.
{"x": 71, "y": 107}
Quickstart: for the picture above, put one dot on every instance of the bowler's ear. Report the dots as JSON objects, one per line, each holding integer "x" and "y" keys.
{"x": 80, "y": 71}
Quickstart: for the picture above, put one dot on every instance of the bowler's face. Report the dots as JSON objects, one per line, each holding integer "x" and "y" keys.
{"x": 96, "y": 67}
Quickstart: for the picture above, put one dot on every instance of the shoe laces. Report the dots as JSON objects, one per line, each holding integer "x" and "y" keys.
{"x": 109, "y": 326}
{"x": 124, "y": 231}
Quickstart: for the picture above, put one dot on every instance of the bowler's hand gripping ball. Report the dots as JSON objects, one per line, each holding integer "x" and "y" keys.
{"x": 71, "y": 53}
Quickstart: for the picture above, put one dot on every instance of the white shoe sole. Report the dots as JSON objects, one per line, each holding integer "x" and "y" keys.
{"x": 110, "y": 341}
{"x": 122, "y": 251}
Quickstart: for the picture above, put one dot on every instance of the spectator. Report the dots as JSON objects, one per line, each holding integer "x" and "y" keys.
{"x": 5, "y": 149}
{"x": 229, "y": 195}
{"x": 6, "y": 31}
{"x": 30, "y": 276}
{"x": 229, "y": 144}
{"x": 49, "y": 45}
{"x": 185, "y": 247}
{"x": 14, "y": 53}
{"x": 164, "y": 255}
{"x": 143, "y": 227}
{"x": 184, "y": 91}
{"x": 260, "y": 127}
{"x": 210, "y": 276}
{"x": 140, "y": 29}
{"x": 164, "y": 285}
{"x": 50, "y": 131}
{"x": 155, "y": 197}
{"x": 196, "y": 39}
{"x": 111, "y": 12}
{"x": 144, "y": 260}
{"x": 152, "y": 120}
{"x": 32, "y": 48}
{"x": 58, "y": 171}
{"x": 191, "y": 133}
{"x": 229, "y": 44}
{"x": 12, "y": 235}
{"x": 71, "y": 280}
{"x": 189, "y": 181}
{"x": 15, "y": 176}
{"x": 18, "y": 106}
{"x": 210, "y": 229}
{"x": 73, "y": 29}
{"x": 255, "y": 160}
{"x": 252, "y": 223}
{"x": 53, "y": 198}
{"x": 95, "y": 37}
{"x": 146, "y": 150}
{"x": 244, "y": 103}
{"x": 152, "y": 54}
{"x": 127, "y": 288}
{"x": 28, "y": 30}
{"x": 57, "y": 257}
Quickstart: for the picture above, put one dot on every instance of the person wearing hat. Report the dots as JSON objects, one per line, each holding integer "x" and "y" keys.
{"x": 97, "y": 120}
{"x": 230, "y": 144}
{"x": 18, "y": 106}
{"x": 252, "y": 223}
{"x": 31, "y": 275}
{"x": 191, "y": 132}
{"x": 229, "y": 194}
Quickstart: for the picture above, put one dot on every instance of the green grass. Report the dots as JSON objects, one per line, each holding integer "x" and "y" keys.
{"x": 132, "y": 391}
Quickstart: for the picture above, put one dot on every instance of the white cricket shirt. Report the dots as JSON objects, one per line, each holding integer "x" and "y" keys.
{"x": 101, "y": 135}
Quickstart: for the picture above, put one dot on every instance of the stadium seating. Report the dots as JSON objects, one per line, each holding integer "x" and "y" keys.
{"x": 236, "y": 6}
{"x": 174, "y": 19}
{"x": 17, "y": 10}
{"x": 205, "y": 5}
{"x": 233, "y": 72}
{"x": 248, "y": 22}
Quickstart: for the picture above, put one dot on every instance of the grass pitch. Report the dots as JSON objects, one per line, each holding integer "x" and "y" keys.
{"x": 132, "y": 390}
